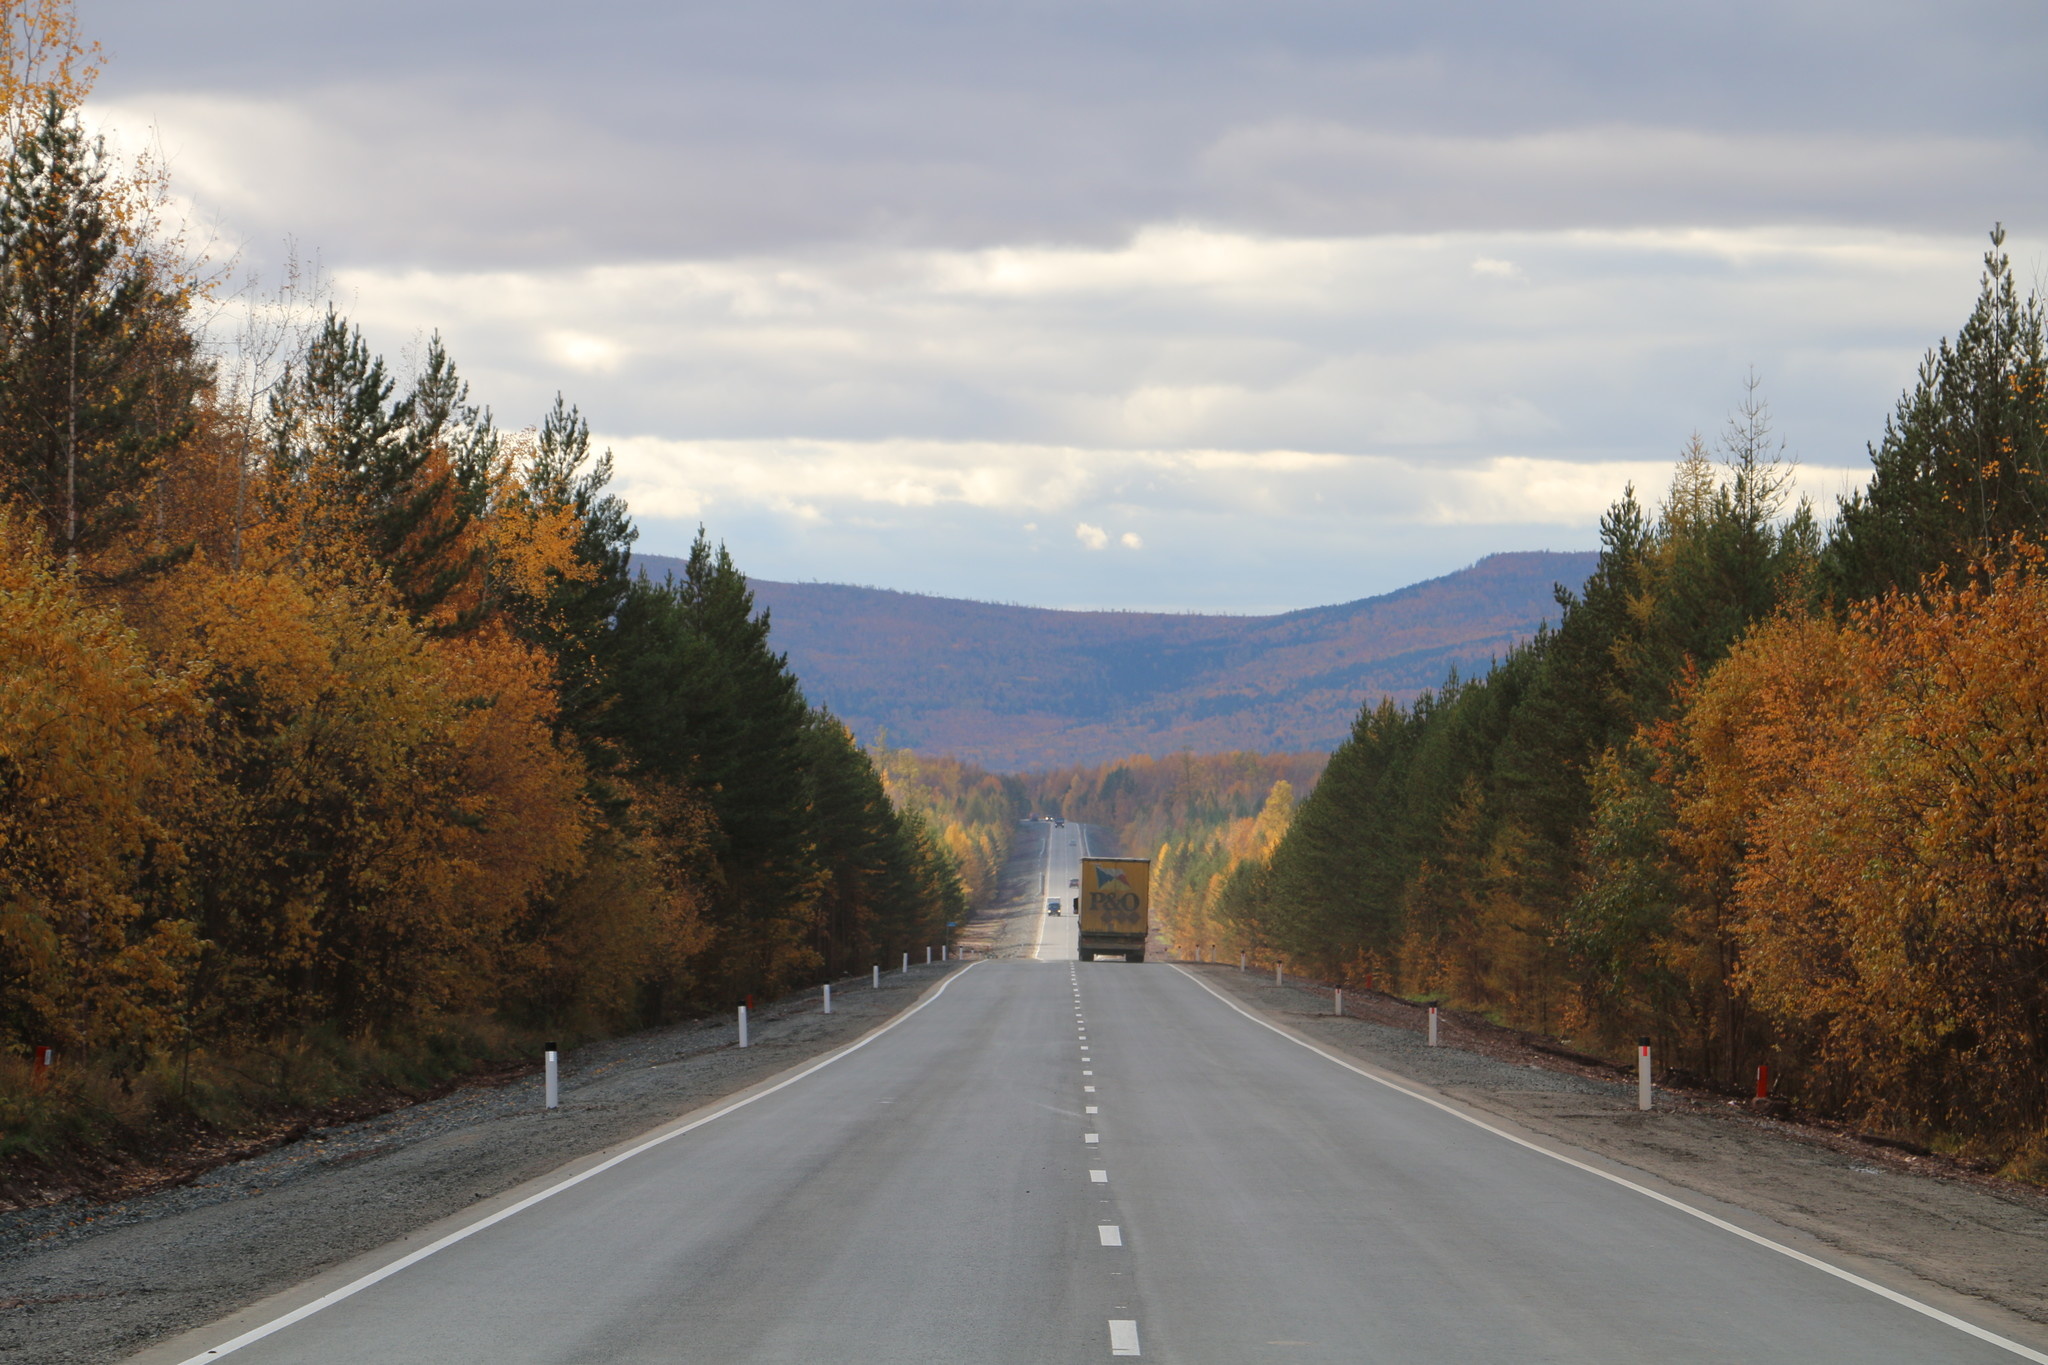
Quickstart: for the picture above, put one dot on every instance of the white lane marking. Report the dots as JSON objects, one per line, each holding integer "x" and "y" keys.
{"x": 1091, "y": 1137}
{"x": 1089, "y": 1088}
{"x": 1087, "y": 1073}
{"x": 357, "y": 1286}
{"x": 1123, "y": 1337}
{"x": 1099, "y": 1177}
{"x": 1094, "y": 1108}
{"x": 1903, "y": 1300}
{"x": 1112, "y": 1235}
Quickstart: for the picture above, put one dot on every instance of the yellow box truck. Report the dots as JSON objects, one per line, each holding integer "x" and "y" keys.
{"x": 1116, "y": 907}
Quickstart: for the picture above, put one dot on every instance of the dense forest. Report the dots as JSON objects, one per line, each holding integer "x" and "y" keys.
{"x": 330, "y": 714}
{"x": 1771, "y": 792}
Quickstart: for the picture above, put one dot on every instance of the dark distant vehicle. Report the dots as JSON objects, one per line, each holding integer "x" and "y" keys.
{"x": 1052, "y": 905}
{"x": 1059, "y": 824}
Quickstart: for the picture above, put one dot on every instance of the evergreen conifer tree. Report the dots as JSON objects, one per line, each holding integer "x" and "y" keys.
{"x": 402, "y": 476}
{"x": 579, "y": 620}
{"x": 1964, "y": 459}
{"x": 78, "y": 320}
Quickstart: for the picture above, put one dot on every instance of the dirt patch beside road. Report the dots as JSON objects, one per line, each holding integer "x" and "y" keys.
{"x": 1969, "y": 1233}
{"x": 89, "y": 1282}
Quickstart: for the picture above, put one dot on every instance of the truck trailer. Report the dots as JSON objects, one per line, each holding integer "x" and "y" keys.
{"x": 1116, "y": 907}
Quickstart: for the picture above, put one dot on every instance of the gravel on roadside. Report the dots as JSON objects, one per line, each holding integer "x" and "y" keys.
{"x": 1974, "y": 1235}
{"x": 83, "y": 1282}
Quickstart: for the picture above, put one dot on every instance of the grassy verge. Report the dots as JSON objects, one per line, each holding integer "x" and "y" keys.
{"x": 101, "y": 1128}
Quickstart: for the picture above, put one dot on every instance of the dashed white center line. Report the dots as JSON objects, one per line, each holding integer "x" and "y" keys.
{"x": 1091, "y": 1137}
{"x": 1112, "y": 1235}
{"x": 1099, "y": 1177}
{"x": 1087, "y": 1073}
{"x": 1089, "y": 1089}
{"x": 1123, "y": 1337}
{"x": 1094, "y": 1109}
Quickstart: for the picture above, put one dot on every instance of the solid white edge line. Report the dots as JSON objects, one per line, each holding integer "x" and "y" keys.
{"x": 357, "y": 1286}
{"x": 1848, "y": 1276}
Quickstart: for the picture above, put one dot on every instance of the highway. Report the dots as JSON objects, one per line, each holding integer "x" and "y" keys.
{"x": 1071, "y": 1162}
{"x": 1059, "y": 936}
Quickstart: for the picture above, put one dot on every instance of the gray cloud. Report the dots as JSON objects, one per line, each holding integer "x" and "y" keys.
{"x": 1308, "y": 300}
{"x": 458, "y": 133}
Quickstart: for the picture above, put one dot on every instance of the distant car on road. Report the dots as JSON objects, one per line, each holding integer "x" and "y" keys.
{"x": 1052, "y": 905}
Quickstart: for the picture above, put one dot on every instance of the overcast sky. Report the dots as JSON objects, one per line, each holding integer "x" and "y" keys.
{"x": 1238, "y": 306}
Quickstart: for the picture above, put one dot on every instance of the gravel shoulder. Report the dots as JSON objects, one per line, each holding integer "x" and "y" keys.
{"x": 84, "y": 1282}
{"x": 1973, "y": 1235}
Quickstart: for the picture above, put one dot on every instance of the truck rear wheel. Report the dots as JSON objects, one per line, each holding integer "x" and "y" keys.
{"x": 1087, "y": 957}
{"x": 1138, "y": 956}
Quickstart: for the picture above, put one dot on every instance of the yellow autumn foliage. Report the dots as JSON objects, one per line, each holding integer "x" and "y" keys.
{"x": 83, "y": 711}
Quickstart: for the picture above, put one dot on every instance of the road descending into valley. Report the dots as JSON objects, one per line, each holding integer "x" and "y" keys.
{"x": 1068, "y": 1162}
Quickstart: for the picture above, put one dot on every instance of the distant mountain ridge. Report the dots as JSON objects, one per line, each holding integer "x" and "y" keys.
{"x": 1015, "y": 688}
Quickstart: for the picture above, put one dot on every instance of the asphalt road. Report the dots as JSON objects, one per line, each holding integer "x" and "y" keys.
{"x": 1067, "y": 1162}
{"x": 1059, "y": 938}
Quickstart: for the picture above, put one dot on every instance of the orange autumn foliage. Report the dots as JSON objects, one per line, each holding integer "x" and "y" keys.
{"x": 83, "y": 713}
{"x": 1880, "y": 787}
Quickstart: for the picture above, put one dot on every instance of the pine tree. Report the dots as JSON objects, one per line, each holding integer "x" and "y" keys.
{"x": 399, "y": 477}
{"x": 699, "y": 698}
{"x": 1964, "y": 460}
{"x": 85, "y": 339}
{"x": 574, "y": 619}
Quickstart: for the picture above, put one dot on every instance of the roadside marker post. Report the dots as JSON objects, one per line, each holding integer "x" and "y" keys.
{"x": 1643, "y": 1072}
{"x": 1763, "y": 1081}
{"x": 927, "y": 956}
{"x": 828, "y": 997}
{"x": 1432, "y": 1025}
{"x": 1276, "y": 975}
{"x": 46, "y": 1058}
{"x": 1240, "y": 961}
{"x": 1340, "y": 1002}
{"x": 878, "y": 978}
{"x": 743, "y": 1025}
{"x": 553, "y": 1083}
{"x": 906, "y": 964}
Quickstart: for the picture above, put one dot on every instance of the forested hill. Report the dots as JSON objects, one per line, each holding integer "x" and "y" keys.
{"x": 1015, "y": 688}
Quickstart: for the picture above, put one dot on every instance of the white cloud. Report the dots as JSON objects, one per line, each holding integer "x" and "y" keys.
{"x": 1377, "y": 289}
{"x": 584, "y": 353}
{"x": 842, "y": 480}
{"x": 1183, "y": 337}
{"x": 1131, "y": 540}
